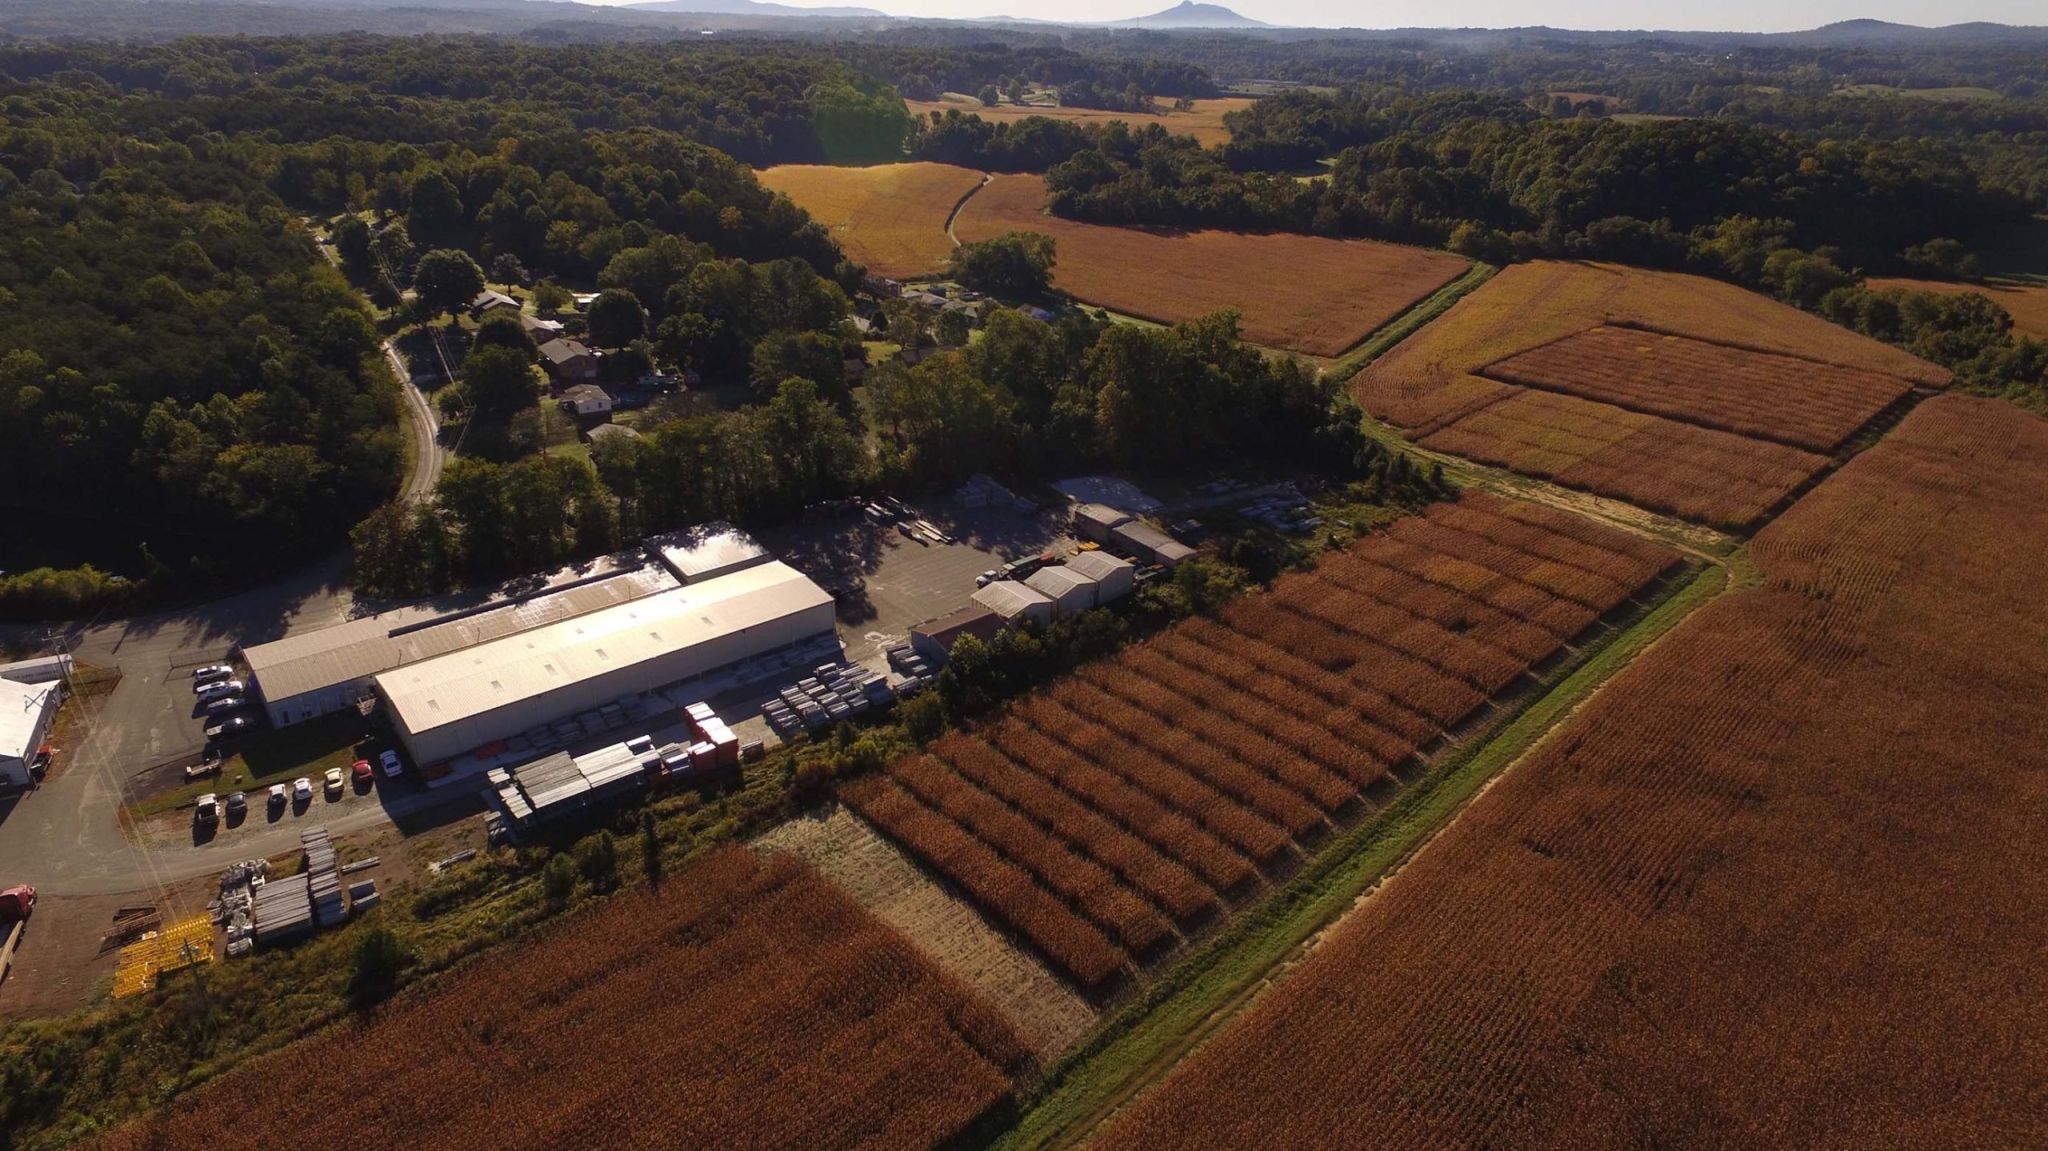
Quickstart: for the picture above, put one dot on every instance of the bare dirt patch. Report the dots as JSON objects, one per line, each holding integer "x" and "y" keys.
{"x": 1050, "y": 1015}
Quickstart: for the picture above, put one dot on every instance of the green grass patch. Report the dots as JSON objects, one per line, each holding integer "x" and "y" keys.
{"x": 1141, "y": 1042}
{"x": 276, "y": 755}
{"x": 1407, "y": 323}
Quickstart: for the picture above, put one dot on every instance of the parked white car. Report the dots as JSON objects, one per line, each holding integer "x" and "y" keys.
{"x": 302, "y": 790}
{"x": 218, "y": 689}
{"x": 212, "y": 671}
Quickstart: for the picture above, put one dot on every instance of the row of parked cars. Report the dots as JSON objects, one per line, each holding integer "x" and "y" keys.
{"x": 210, "y": 807}
{"x": 221, "y": 699}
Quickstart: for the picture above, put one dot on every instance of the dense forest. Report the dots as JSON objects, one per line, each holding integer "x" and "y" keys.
{"x": 173, "y": 342}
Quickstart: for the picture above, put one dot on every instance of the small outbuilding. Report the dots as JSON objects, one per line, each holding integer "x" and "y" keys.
{"x": 26, "y": 711}
{"x": 1096, "y": 521}
{"x": 934, "y": 639}
{"x": 1016, "y": 602}
{"x": 609, "y": 433}
{"x": 1114, "y": 576}
{"x": 491, "y": 300}
{"x": 586, "y": 400}
{"x": 1149, "y": 543}
{"x": 1071, "y": 592}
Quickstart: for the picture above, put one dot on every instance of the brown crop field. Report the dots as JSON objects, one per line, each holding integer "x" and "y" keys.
{"x": 2026, "y": 303}
{"x": 1776, "y": 885}
{"x": 750, "y": 1004}
{"x": 1204, "y": 122}
{"x": 1303, "y": 293}
{"x": 1709, "y": 432}
{"x": 1105, "y": 816}
{"x": 891, "y": 217}
{"x": 1803, "y": 403}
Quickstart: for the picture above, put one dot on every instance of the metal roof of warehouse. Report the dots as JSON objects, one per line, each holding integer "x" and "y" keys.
{"x": 21, "y": 705}
{"x": 706, "y": 551}
{"x": 454, "y": 687}
{"x": 1096, "y": 565}
{"x": 360, "y": 648}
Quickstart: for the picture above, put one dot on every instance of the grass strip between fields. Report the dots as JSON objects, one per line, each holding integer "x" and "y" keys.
{"x": 1407, "y": 323}
{"x": 1142, "y": 1042}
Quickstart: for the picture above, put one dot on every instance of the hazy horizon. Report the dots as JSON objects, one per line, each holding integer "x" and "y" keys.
{"x": 1586, "y": 15}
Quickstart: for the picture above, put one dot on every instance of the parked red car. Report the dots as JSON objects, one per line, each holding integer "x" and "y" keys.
{"x": 361, "y": 773}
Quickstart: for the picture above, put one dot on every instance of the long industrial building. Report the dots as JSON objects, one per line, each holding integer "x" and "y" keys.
{"x": 456, "y": 702}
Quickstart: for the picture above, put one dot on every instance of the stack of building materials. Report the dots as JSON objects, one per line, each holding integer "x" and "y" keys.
{"x": 323, "y": 886}
{"x": 176, "y": 947}
{"x": 981, "y": 491}
{"x": 1114, "y": 576}
{"x": 1150, "y": 544}
{"x": 833, "y": 692}
{"x": 1016, "y": 603}
{"x": 1071, "y": 593}
{"x": 1096, "y": 521}
{"x": 282, "y": 910}
{"x": 363, "y": 895}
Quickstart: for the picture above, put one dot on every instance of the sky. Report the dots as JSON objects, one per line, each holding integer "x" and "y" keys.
{"x": 1677, "y": 15}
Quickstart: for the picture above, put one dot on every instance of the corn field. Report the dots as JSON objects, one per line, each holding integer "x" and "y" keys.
{"x": 1760, "y": 890}
{"x": 1106, "y": 816}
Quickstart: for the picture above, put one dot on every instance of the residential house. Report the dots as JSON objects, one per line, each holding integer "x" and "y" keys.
{"x": 607, "y": 433}
{"x": 568, "y": 361}
{"x": 586, "y": 400}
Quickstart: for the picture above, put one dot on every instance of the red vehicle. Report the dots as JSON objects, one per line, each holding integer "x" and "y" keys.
{"x": 361, "y": 773}
{"x": 17, "y": 902}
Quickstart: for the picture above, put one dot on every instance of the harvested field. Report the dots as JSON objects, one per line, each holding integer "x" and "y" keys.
{"x": 1204, "y": 122}
{"x": 1775, "y": 883}
{"x": 1302, "y": 293}
{"x": 1709, "y": 434}
{"x": 1046, "y": 1012}
{"x": 1107, "y": 816}
{"x": 2027, "y": 304}
{"x": 750, "y": 1004}
{"x": 1803, "y": 403}
{"x": 891, "y": 217}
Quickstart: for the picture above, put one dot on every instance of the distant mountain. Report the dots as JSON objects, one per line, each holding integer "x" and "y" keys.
{"x": 1189, "y": 14}
{"x": 755, "y": 8}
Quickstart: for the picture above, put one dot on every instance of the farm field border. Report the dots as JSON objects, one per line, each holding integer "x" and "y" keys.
{"x": 1142, "y": 1042}
{"x": 1696, "y": 540}
{"x": 1379, "y": 343}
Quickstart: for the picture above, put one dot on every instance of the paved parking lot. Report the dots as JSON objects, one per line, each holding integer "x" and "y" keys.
{"x": 887, "y": 582}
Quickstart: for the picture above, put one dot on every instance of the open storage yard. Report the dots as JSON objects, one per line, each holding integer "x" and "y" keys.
{"x": 750, "y": 1003}
{"x": 1680, "y": 394}
{"x": 1302, "y": 293}
{"x": 891, "y": 217}
{"x": 1106, "y": 815}
{"x": 1765, "y": 887}
{"x": 1204, "y": 121}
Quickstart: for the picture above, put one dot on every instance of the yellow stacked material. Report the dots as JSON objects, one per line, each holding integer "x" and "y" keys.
{"x": 180, "y": 945}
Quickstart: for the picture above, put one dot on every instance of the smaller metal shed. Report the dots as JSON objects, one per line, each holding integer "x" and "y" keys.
{"x": 1015, "y": 602}
{"x": 1071, "y": 592}
{"x": 1096, "y": 521}
{"x": 1114, "y": 576}
{"x": 935, "y": 638}
{"x": 1147, "y": 542}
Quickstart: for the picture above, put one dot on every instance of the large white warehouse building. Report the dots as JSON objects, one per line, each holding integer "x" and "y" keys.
{"x": 453, "y": 703}
{"x": 316, "y": 672}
